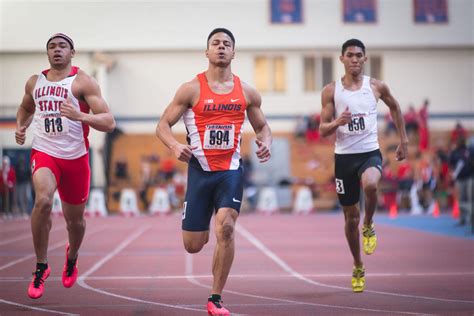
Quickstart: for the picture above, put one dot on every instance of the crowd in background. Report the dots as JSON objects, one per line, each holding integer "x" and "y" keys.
{"x": 438, "y": 175}
{"x": 434, "y": 175}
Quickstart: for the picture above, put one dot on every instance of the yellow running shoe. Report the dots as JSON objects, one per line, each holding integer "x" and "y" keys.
{"x": 369, "y": 238}
{"x": 358, "y": 279}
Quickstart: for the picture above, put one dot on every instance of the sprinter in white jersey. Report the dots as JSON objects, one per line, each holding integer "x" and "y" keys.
{"x": 57, "y": 103}
{"x": 349, "y": 108}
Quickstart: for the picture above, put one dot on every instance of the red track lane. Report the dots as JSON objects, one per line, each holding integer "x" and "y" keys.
{"x": 284, "y": 265}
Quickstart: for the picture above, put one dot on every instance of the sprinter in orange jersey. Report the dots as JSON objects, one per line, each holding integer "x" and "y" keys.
{"x": 213, "y": 106}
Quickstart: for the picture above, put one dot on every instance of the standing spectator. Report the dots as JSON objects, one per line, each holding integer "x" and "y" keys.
{"x": 462, "y": 166}
{"x": 423, "y": 130}
{"x": 300, "y": 127}
{"x": 7, "y": 186}
{"x": 389, "y": 125}
{"x": 411, "y": 120}
{"x": 312, "y": 132}
{"x": 458, "y": 132}
{"x": 23, "y": 196}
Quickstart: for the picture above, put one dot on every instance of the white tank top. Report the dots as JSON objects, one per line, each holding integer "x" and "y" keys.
{"x": 360, "y": 135}
{"x": 53, "y": 134}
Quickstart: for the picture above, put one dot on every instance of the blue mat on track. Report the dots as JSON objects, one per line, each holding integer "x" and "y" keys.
{"x": 442, "y": 225}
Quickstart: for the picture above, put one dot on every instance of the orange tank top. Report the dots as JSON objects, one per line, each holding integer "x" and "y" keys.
{"x": 215, "y": 124}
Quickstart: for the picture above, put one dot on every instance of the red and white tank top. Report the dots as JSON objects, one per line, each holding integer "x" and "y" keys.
{"x": 360, "y": 135}
{"x": 55, "y": 135}
{"x": 215, "y": 126}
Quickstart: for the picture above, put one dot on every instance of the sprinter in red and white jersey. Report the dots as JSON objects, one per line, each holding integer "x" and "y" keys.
{"x": 60, "y": 104}
{"x": 213, "y": 106}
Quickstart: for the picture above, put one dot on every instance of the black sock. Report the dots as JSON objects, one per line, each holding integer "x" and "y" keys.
{"x": 216, "y": 298}
{"x": 41, "y": 266}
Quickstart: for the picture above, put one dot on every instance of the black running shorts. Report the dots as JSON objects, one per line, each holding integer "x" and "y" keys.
{"x": 348, "y": 171}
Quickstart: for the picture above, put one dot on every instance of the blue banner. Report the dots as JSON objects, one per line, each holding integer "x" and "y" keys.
{"x": 286, "y": 11}
{"x": 430, "y": 11}
{"x": 359, "y": 11}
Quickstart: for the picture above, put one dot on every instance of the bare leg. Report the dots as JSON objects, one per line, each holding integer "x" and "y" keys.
{"x": 44, "y": 183}
{"x": 76, "y": 226}
{"x": 194, "y": 241}
{"x": 370, "y": 180}
{"x": 352, "y": 218}
{"x": 225, "y": 248}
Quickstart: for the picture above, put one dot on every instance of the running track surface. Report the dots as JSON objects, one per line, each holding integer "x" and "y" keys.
{"x": 284, "y": 265}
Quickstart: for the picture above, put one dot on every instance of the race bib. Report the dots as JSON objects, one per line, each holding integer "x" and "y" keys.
{"x": 55, "y": 126}
{"x": 218, "y": 136}
{"x": 357, "y": 125}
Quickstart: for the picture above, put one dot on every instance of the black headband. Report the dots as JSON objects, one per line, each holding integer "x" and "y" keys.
{"x": 63, "y": 36}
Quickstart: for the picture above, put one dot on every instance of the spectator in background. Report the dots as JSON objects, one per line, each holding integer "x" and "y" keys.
{"x": 423, "y": 130}
{"x": 462, "y": 166}
{"x": 458, "y": 132}
{"x": 7, "y": 186}
{"x": 411, "y": 120}
{"x": 167, "y": 168}
{"x": 146, "y": 180}
{"x": 312, "y": 132}
{"x": 405, "y": 179}
{"x": 300, "y": 127}
{"x": 426, "y": 177}
{"x": 23, "y": 196}
{"x": 389, "y": 125}
{"x": 121, "y": 169}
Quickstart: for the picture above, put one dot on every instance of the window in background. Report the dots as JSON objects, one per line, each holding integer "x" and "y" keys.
{"x": 327, "y": 71}
{"x": 270, "y": 74}
{"x": 373, "y": 67}
{"x": 262, "y": 74}
{"x": 318, "y": 71}
{"x": 309, "y": 70}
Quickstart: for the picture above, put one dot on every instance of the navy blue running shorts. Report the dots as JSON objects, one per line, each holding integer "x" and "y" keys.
{"x": 207, "y": 192}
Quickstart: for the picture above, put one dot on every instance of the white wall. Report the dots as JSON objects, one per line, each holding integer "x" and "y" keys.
{"x": 184, "y": 24}
{"x": 160, "y": 44}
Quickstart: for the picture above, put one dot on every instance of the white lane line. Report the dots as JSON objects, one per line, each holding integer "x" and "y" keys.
{"x": 249, "y": 276}
{"x": 52, "y": 247}
{"x": 193, "y": 280}
{"x": 24, "y": 236}
{"x": 39, "y": 309}
{"x": 252, "y": 239}
{"x": 81, "y": 280}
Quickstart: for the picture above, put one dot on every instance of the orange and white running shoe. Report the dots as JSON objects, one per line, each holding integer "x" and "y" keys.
{"x": 36, "y": 288}
{"x": 216, "y": 308}
{"x": 69, "y": 271}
